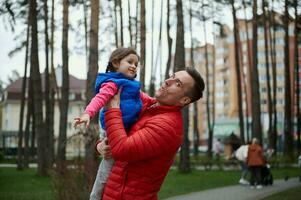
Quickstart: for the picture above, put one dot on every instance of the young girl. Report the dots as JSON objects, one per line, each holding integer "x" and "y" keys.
{"x": 121, "y": 71}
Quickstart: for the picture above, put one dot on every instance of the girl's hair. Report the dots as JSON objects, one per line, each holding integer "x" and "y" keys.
{"x": 117, "y": 55}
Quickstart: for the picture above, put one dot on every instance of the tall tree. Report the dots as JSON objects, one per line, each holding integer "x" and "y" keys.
{"x": 256, "y": 118}
{"x": 196, "y": 134}
{"x": 47, "y": 86}
{"x": 29, "y": 115}
{"x": 91, "y": 136}
{"x": 53, "y": 87}
{"x": 297, "y": 73}
{"x": 142, "y": 44}
{"x": 136, "y": 23}
{"x": 64, "y": 101}
{"x": 37, "y": 91}
{"x": 116, "y": 23}
{"x": 238, "y": 72}
{"x": 248, "y": 69}
{"x": 267, "y": 67}
{"x": 272, "y": 25}
{"x": 130, "y": 23}
{"x": 288, "y": 130}
{"x": 22, "y": 105}
{"x": 169, "y": 41}
{"x": 184, "y": 165}
{"x": 153, "y": 72}
{"x": 121, "y": 21}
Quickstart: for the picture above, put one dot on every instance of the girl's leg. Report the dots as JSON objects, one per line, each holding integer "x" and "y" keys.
{"x": 101, "y": 178}
{"x": 252, "y": 181}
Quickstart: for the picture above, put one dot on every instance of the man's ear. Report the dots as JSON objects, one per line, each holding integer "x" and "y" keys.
{"x": 185, "y": 101}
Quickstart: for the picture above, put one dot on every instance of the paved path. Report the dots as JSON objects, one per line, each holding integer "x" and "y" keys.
{"x": 239, "y": 192}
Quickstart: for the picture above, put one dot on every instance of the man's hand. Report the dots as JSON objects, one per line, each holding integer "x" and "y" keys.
{"x": 104, "y": 149}
{"x": 115, "y": 101}
{"x": 85, "y": 118}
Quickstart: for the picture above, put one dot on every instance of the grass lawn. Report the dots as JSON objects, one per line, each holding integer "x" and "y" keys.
{"x": 26, "y": 185}
{"x": 177, "y": 183}
{"x": 291, "y": 194}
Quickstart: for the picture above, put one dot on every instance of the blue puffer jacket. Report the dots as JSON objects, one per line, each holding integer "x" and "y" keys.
{"x": 130, "y": 102}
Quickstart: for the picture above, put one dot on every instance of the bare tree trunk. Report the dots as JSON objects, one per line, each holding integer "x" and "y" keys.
{"x": 142, "y": 44}
{"x": 121, "y": 21}
{"x": 248, "y": 72}
{"x": 238, "y": 73}
{"x": 256, "y": 111}
{"x": 116, "y": 23}
{"x": 169, "y": 42}
{"x": 91, "y": 135}
{"x": 130, "y": 23}
{"x": 184, "y": 165}
{"x": 20, "y": 162}
{"x": 196, "y": 134}
{"x": 288, "y": 130}
{"x": 136, "y": 21}
{"x": 53, "y": 87}
{"x": 47, "y": 87}
{"x": 37, "y": 91}
{"x": 64, "y": 101}
{"x": 27, "y": 126}
{"x": 153, "y": 72}
{"x": 86, "y": 29}
{"x": 273, "y": 143}
{"x": 297, "y": 78}
{"x": 270, "y": 109}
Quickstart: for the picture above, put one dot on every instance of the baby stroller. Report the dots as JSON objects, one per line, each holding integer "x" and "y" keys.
{"x": 267, "y": 176}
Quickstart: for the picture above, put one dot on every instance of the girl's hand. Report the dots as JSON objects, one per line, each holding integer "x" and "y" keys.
{"x": 104, "y": 149}
{"x": 115, "y": 101}
{"x": 85, "y": 118}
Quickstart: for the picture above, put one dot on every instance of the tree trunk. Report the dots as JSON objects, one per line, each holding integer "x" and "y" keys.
{"x": 121, "y": 22}
{"x": 184, "y": 165}
{"x": 53, "y": 87}
{"x": 136, "y": 22}
{"x": 28, "y": 122}
{"x": 196, "y": 134}
{"x": 274, "y": 75}
{"x": 297, "y": 78}
{"x": 86, "y": 29}
{"x": 153, "y": 71}
{"x": 91, "y": 135}
{"x": 142, "y": 44}
{"x": 20, "y": 162}
{"x": 238, "y": 73}
{"x": 169, "y": 42}
{"x": 130, "y": 24}
{"x": 248, "y": 72}
{"x": 64, "y": 101}
{"x": 288, "y": 130}
{"x": 37, "y": 91}
{"x": 47, "y": 87}
{"x": 256, "y": 111}
{"x": 116, "y": 23}
{"x": 266, "y": 47}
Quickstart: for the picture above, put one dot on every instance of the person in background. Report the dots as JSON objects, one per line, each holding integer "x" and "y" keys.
{"x": 255, "y": 161}
{"x": 241, "y": 155}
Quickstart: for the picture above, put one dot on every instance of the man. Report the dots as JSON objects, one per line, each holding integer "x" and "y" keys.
{"x": 144, "y": 155}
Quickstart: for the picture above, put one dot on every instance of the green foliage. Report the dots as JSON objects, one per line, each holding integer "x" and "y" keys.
{"x": 1, "y": 156}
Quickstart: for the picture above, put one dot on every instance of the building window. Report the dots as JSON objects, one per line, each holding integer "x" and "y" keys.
{"x": 280, "y": 77}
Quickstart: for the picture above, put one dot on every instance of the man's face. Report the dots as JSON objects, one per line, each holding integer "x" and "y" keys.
{"x": 173, "y": 90}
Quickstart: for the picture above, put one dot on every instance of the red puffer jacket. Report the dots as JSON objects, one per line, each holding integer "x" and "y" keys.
{"x": 144, "y": 156}
{"x": 255, "y": 155}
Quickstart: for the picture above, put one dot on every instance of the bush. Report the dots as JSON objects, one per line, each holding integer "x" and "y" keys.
{"x": 1, "y": 156}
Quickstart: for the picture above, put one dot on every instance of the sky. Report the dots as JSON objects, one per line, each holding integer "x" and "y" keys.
{"x": 77, "y": 60}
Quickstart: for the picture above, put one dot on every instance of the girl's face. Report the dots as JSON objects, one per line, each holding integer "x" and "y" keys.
{"x": 128, "y": 66}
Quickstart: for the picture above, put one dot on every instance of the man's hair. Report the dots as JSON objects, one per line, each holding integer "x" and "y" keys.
{"x": 117, "y": 55}
{"x": 196, "y": 92}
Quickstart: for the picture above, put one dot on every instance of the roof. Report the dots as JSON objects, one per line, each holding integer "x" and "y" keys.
{"x": 74, "y": 84}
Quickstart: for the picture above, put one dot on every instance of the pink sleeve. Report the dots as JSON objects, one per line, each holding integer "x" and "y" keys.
{"x": 106, "y": 92}
{"x": 146, "y": 99}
